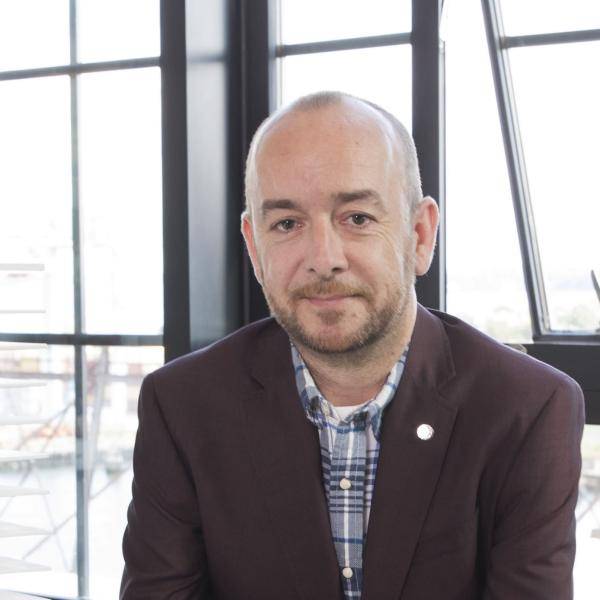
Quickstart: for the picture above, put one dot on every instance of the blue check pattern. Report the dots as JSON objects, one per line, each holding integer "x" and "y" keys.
{"x": 349, "y": 456}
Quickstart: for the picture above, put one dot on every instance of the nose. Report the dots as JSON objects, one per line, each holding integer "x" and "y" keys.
{"x": 325, "y": 255}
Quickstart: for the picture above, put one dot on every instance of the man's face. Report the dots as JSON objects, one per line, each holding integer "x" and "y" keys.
{"x": 330, "y": 238}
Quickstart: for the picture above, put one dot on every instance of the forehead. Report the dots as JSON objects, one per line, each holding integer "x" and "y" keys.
{"x": 321, "y": 149}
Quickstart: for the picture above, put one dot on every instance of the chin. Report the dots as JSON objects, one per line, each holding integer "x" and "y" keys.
{"x": 334, "y": 340}
{"x": 332, "y": 331}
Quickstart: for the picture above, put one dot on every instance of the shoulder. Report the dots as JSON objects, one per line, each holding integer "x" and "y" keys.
{"x": 218, "y": 368}
{"x": 502, "y": 378}
{"x": 226, "y": 358}
{"x": 475, "y": 352}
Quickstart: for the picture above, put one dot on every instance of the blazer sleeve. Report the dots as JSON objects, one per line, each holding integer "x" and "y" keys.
{"x": 533, "y": 546}
{"x": 162, "y": 546}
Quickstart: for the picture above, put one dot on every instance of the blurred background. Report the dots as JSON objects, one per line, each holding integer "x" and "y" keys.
{"x": 124, "y": 127}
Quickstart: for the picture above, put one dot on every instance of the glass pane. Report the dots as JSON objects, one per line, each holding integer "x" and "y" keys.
{"x": 484, "y": 275}
{"x": 588, "y": 517}
{"x": 117, "y": 29}
{"x": 114, "y": 376}
{"x": 33, "y": 33}
{"x": 38, "y": 418}
{"x": 36, "y": 288}
{"x": 546, "y": 16}
{"x": 314, "y": 20}
{"x": 558, "y": 94}
{"x": 381, "y": 75}
{"x": 121, "y": 193}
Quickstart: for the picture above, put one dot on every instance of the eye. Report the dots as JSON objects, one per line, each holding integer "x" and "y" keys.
{"x": 285, "y": 225}
{"x": 360, "y": 220}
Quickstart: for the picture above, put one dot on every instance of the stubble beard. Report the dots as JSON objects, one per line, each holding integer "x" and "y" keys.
{"x": 379, "y": 323}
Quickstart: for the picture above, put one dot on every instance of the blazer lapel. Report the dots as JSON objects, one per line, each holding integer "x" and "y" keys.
{"x": 408, "y": 467}
{"x": 286, "y": 456}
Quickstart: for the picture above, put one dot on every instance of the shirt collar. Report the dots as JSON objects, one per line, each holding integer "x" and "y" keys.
{"x": 318, "y": 408}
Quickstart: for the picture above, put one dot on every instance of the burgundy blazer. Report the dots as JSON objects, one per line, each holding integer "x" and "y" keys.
{"x": 228, "y": 502}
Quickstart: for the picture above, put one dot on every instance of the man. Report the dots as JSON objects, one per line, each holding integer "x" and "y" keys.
{"x": 357, "y": 445}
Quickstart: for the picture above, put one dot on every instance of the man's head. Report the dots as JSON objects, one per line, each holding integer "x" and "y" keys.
{"x": 335, "y": 224}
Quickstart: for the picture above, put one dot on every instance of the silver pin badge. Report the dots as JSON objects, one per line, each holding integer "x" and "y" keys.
{"x": 425, "y": 431}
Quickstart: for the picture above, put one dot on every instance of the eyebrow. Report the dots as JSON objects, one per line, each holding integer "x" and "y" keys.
{"x": 278, "y": 204}
{"x": 358, "y": 195}
{"x": 271, "y": 204}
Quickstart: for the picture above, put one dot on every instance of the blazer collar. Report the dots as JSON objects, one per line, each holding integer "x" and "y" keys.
{"x": 286, "y": 456}
{"x": 409, "y": 467}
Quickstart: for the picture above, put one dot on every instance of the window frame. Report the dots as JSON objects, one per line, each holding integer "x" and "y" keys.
{"x": 244, "y": 49}
{"x": 78, "y": 339}
{"x": 574, "y": 353}
{"x": 499, "y": 45}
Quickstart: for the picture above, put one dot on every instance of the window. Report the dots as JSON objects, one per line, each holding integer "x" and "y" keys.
{"x": 485, "y": 284}
{"x": 367, "y": 52}
{"x": 81, "y": 310}
{"x": 546, "y": 99}
{"x": 81, "y": 293}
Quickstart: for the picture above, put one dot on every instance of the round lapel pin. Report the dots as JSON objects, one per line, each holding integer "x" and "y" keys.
{"x": 425, "y": 431}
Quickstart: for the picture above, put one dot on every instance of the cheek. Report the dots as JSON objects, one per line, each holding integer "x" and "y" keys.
{"x": 384, "y": 256}
{"x": 402, "y": 251}
{"x": 278, "y": 267}
{"x": 385, "y": 265}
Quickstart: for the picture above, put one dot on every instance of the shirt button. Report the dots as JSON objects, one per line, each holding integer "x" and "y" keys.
{"x": 326, "y": 409}
{"x": 345, "y": 484}
{"x": 347, "y": 572}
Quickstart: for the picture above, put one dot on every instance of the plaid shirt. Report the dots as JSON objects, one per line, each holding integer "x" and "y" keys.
{"x": 349, "y": 454}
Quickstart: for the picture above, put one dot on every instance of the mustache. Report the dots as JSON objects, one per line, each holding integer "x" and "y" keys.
{"x": 329, "y": 288}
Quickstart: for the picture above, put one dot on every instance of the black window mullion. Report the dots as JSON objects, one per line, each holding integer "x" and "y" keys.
{"x": 78, "y": 68}
{"x": 532, "y": 270}
{"x": 259, "y": 98}
{"x": 81, "y": 459}
{"x": 176, "y": 251}
{"x": 89, "y": 339}
{"x": 357, "y": 43}
{"x": 543, "y": 39}
{"x": 428, "y": 129}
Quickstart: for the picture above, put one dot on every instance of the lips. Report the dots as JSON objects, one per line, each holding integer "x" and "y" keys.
{"x": 329, "y": 292}
{"x": 327, "y": 301}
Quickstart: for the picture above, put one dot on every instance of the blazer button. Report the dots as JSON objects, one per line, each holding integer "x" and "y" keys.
{"x": 425, "y": 432}
{"x": 347, "y": 572}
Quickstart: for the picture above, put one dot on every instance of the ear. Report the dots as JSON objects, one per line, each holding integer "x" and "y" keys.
{"x": 248, "y": 233}
{"x": 425, "y": 224}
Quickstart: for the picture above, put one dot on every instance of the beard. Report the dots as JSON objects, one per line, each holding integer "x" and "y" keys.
{"x": 373, "y": 327}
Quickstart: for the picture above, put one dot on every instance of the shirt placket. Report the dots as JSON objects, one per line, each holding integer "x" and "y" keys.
{"x": 346, "y": 498}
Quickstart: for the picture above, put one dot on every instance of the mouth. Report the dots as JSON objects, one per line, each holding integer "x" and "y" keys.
{"x": 328, "y": 301}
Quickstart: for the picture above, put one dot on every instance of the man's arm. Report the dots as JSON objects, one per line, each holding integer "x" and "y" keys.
{"x": 533, "y": 546}
{"x": 163, "y": 548}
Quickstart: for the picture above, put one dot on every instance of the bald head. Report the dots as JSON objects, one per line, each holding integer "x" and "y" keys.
{"x": 343, "y": 111}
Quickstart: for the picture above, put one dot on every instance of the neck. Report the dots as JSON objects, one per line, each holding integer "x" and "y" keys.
{"x": 351, "y": 378}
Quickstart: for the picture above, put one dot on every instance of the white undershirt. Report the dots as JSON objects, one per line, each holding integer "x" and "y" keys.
{"x": 343, "y": 411}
